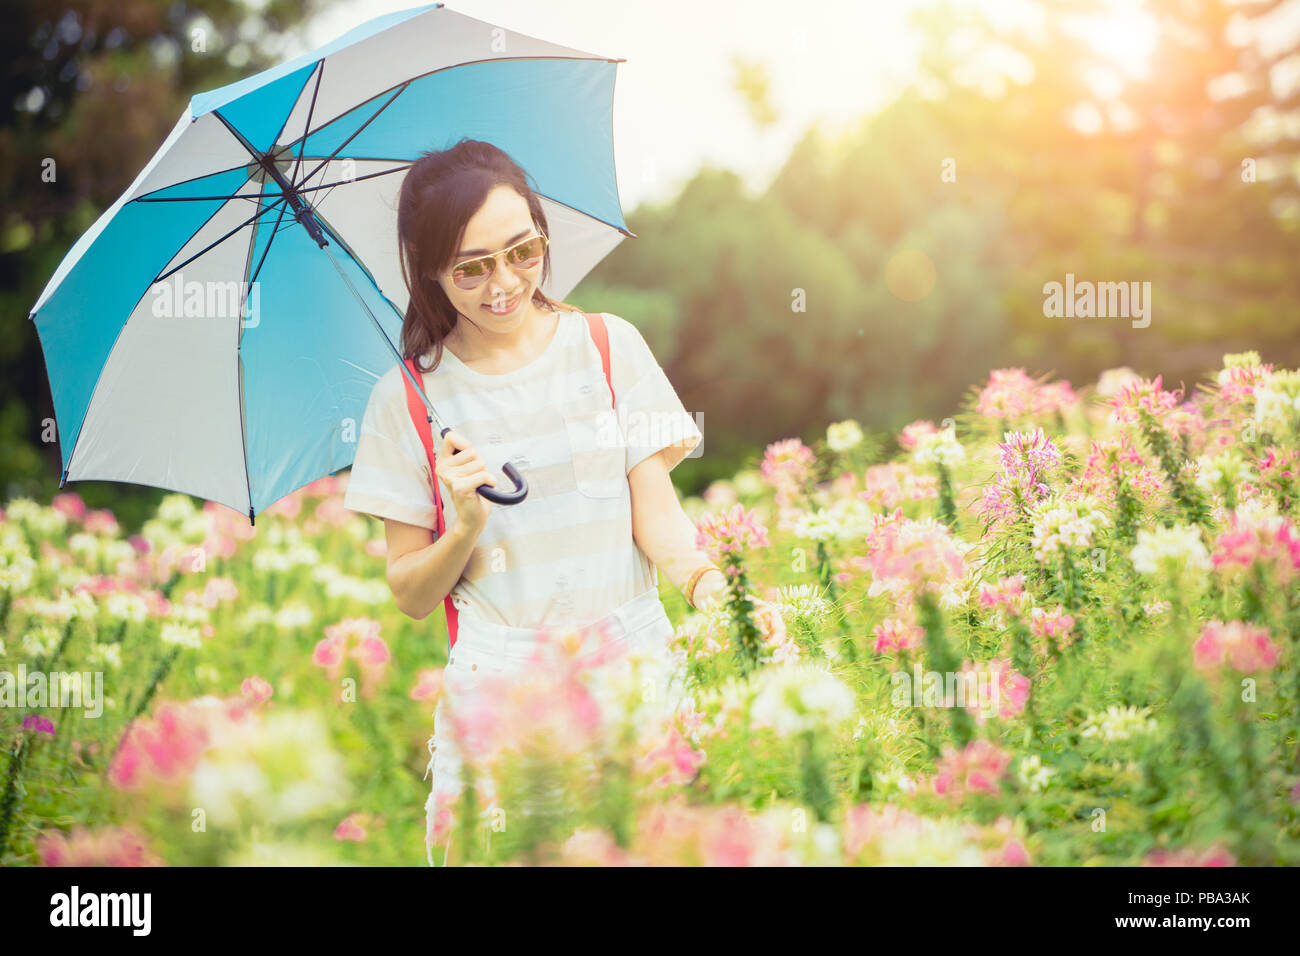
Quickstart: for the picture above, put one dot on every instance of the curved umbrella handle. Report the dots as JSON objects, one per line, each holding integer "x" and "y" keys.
{"x": 519, "y": 493}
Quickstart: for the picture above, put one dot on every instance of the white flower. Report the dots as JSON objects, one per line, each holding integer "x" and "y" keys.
{"x": 940, "y": 447}
{"x": 793, "y": 698}
{"x": 1170, "y": 548}
{"x": 255, "y": 615}
{"x": 819, "y": 525}
{"x": 841, "y": 436}
{"x": 854, "y": 517}
{"x": 174, "y": 509}
{"x": 16, "y": 573}
{"x": 293, "y": 616}
{"x": 184, "y": 613}
{"x": 125, "y": 606}
{"x": 1215, "y": 471}
{"x": 1033, "y": 774}
{"x": 105, "y": 655}
{"x": 41, "y": 640}
{"x": 1118, "y": 723}
{"x": 41, "y": 520}
{"x": 802, "y": 604}
{"x": 894, "y": 780}
{"x": 749, "y": 483}
{"x": 1277, "y": 400}
{"x": 180, "y": 634}
{"x": 1060, "y": 525}
{"x": 269, "y": 771}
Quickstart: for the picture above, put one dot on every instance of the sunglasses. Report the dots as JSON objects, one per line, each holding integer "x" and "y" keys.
{"x": 472, "y": 273}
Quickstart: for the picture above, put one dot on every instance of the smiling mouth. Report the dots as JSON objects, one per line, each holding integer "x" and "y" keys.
{"x": 510, "y": 306}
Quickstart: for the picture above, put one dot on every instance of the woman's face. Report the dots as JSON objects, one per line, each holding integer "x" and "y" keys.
{"x": 501, "y": 221}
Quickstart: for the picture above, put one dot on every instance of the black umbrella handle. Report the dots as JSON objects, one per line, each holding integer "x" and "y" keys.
{"x": 519, "y": 493}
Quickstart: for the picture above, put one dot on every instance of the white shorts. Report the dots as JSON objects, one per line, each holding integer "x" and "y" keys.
{"x": 486, "y": 648}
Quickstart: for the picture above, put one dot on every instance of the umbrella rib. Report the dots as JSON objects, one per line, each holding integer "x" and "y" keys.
{"x": 217, "y": 242}
{"x": 311, "y": 111}
{"x": 355, "y": 134}
{"x": 406, "y": 164}
{"x": 239, "y": 361}
{"x": 452, "y": 66}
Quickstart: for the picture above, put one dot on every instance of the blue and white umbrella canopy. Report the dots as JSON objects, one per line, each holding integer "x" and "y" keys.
{"x": 165, "y": 372}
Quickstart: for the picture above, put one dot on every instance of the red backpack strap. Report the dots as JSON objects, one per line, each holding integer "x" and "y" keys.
{"x": 424, "y": 428}
{"x": 600, "y": 335}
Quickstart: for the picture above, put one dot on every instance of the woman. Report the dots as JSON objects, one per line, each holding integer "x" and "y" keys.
{"x": 522, "y": 377}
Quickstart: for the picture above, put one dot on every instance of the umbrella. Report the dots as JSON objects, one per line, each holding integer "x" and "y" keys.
{"x": 219, "y": 328}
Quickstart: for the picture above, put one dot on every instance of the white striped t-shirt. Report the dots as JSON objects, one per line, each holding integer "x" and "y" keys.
{"x": 565, "y": 555}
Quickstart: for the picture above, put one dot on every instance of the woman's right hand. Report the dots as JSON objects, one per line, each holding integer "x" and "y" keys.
{"x": 462, "y": 470}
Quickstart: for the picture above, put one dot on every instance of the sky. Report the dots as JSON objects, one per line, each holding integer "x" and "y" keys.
{"x": 827, "y": 59}
{"x": 830, "y": 63}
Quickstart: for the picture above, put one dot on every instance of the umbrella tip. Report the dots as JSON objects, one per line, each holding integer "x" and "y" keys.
{"x": 252, "y": 523}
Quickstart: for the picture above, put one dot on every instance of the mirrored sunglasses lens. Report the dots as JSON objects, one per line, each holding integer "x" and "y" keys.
{"x": 528, "y": 254}
{"x": 472, "y": 274}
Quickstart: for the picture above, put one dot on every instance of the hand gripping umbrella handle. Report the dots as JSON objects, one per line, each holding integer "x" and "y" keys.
{"x": 502, "y": 497}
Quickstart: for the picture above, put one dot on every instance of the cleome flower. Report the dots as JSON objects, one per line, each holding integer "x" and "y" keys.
{"x": 792, "y": 698}
{"x": 1118, "y": 723}
{"x": 1061, "y": 526}
{"x": 1177, "y": 551}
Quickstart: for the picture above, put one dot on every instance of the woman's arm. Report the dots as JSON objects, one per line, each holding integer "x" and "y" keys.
{"x": 422, "y": 571}
{"x": 665, "y": 533}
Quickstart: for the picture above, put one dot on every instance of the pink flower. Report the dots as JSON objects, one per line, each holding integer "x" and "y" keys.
{"x": 1012, "y": 689}
{"x": 372, "y": 652}
{"x": 787, "y": 462}
{"x": 1051, "y": 398}
{"x": 328, "y": 654}
{"x": 164, "y": 748}
{"x": 69, "y": 505}
{"x": 1246, "y": 648}
{"x": 218, "y": 590}
{"x": 672, "y": 758}
{"x": 896, "y": 634}
{"x": 1012, "y": 853}
{"x": 892, "y": 484}
{"x": 1007, "y": 395}
{"x": 107, "y": 846}
{"x": 100, "y": 521}
{"x": 1214, "y": 856}
{"x": 720, "y": 494}
{"x": 1111, "y": 459}
{"x": 730, "y": 532}
{"x": 787, "y": 467}
{"x": 256, "y": 689}
{"x": 1029, "y": 460}
{"x": 906, "y": 556}
{"x": 358, "y": 638}
{"x": 1143, "y": 395}
{"x": 1008, "y": 593}
{"x": 428, "y": 684}
{"x": 39, "y": 724}
{"x": 588, "y": 847}
{"x": 979, "y": 768}
{"x": 1267, "y": 540}
{"x": 1052, "y": 624}
{"x": 912, "y": 434}
{"x": 864, "y": 823}
{"x": 352, "y": 827}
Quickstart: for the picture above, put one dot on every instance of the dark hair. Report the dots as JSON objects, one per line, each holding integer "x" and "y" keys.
{"x": 443, "y": 189}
